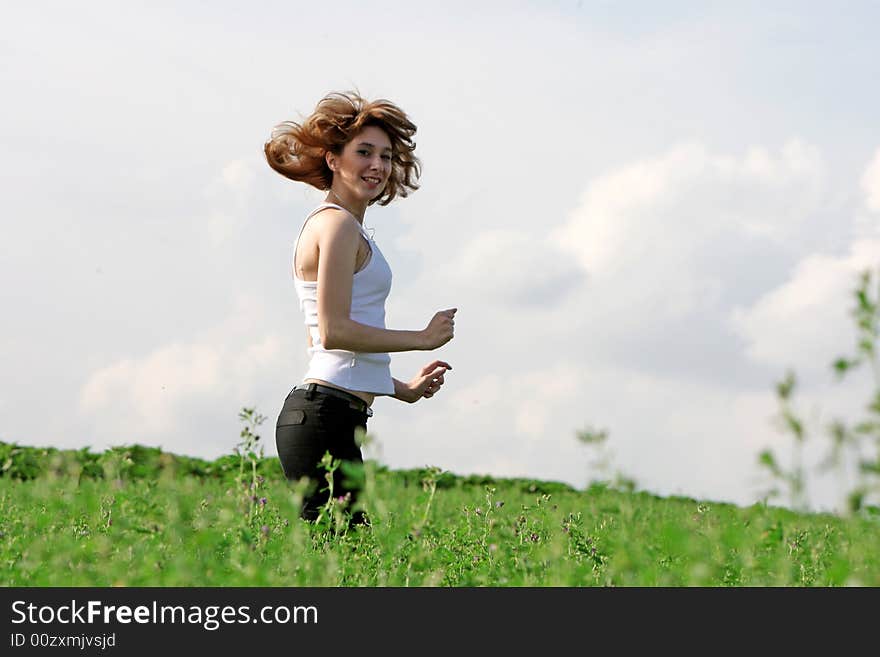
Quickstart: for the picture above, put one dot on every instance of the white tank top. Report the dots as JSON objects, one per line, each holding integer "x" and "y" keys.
{"x": 360, "y": 371}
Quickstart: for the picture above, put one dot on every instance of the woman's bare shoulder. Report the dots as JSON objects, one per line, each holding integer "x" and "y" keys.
{"x": 332, "y": 224}
{"x": 332, "y": 216}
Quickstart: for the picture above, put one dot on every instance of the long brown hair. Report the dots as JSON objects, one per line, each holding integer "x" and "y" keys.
{"x": 297, "y": 150}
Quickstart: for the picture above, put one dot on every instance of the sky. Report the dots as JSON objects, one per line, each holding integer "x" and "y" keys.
{"x": 645, "y": 213}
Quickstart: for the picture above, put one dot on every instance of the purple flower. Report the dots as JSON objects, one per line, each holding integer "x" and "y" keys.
{"x": 263, "y": 501}
{"x": 265, "y": 530}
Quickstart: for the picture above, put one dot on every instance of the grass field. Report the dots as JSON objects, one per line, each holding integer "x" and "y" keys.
{"x": 137, "y": 516}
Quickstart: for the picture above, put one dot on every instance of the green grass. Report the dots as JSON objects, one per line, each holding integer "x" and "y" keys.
{"x": 135, "y": 516}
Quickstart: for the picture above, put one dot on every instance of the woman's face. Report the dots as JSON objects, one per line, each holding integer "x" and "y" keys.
{"x": 363, "y": 167}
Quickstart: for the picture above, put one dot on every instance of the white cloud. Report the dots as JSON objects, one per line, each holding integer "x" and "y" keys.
{"x": 469, "y": 397}
{"x": 239, "y": 175}
{"x": 871, "y": 183}
{"x": 162, "y": 397}
{"x": 516, "y": 268}
{"x": 805, "y": 323}
{"x": 672, "y": 243}
{"x": 230, "y": 196}
{"x": 540, "y": 396}
{"x": 669, "y": 207}
{"x": 142, "y": 394}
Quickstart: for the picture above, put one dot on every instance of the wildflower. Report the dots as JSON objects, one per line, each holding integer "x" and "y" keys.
{"x": 493, "y": 547}
{"x": 478, "y": 511}
{"x": 498, "y": 505}
{"x": 534, "y": 537}
{"x": 265, "y": 530}
{"x": 263, "y": 501}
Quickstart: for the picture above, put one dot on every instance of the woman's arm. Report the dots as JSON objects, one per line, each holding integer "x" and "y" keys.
{"x": 338, "y": 239}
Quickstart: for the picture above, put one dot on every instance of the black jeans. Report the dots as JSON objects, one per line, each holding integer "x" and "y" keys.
{"x": 310, "y": 424}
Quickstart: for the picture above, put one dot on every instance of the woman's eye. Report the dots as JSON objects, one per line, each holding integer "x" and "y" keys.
{"x": 363, "y": 153}
{"x": 386, "y": 157}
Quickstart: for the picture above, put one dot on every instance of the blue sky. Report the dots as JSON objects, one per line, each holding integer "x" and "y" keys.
{"x": 645, "y": 213}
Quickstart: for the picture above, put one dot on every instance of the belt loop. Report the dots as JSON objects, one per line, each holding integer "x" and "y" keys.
{"x": 310, "y": 391}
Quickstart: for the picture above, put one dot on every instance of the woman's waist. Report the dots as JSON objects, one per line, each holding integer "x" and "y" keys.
{"x": 366, "y": 397}
{"x": 354, "y": 372}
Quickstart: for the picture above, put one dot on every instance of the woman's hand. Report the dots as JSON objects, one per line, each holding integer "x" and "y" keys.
{"x": 440, "y": 329}
{"x": 427, "y": 382}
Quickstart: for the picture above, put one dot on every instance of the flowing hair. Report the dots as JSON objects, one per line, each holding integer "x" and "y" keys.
{"x": 297, "y": 150}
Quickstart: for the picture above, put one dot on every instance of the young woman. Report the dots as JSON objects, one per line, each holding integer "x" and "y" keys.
{"x": 361, "y": 152}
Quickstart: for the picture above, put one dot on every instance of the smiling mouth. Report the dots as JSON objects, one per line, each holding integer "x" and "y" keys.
{"x": 372, "y": 181}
